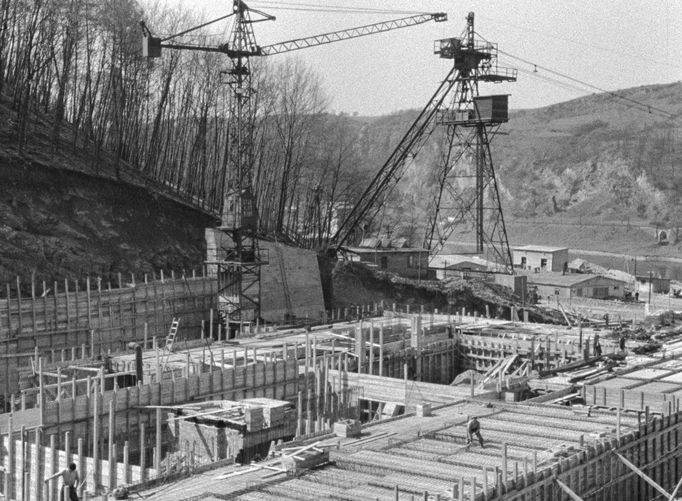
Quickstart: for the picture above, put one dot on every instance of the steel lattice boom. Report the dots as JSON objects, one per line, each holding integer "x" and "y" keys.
{"x": 361, "y": 31}
{"x": 467, "y": 191}
{"x": 239, "y": 260}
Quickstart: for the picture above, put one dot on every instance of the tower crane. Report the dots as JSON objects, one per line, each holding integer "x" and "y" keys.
{"x": 239, "y": 266}
{"x": 470, "y": 121}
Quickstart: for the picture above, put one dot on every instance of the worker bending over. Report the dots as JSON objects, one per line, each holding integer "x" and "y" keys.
{"x": 70, "y": 477}
{"x": 474, "y": 428}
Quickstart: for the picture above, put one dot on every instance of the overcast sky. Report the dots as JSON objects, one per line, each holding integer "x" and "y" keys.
{"x": 611, "y": 44}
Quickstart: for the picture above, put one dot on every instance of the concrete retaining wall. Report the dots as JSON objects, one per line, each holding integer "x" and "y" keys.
{"x": 290, "y": 283}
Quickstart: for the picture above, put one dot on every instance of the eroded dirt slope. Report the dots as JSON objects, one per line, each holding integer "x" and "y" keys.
{"x": 56, "y": 223}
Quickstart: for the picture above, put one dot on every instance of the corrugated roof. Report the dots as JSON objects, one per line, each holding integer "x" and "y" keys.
{"x": 540, "y": 248}
{"x": 568, "y": 280}
{"x": 370, "y": 242}
{"x": 367, "y": 250}
{"x": 578, "y": 263}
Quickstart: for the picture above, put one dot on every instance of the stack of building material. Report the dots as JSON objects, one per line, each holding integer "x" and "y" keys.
{"x": 296, "y": 459}
{"x": 274, "y": 411}
{"x": 391, "y": 409}
{"x": 347, "y": 428}
{"x": 253, "y": 417}
{"x": 305, "y": 460}
{"x": 423, "y": 410}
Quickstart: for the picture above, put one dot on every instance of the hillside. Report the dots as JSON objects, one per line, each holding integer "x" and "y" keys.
{"x": 589, "y": 173}
{"x": 594, "y": 174}
{"x": 65, "y": 214}
{"x": 596, "y": 157}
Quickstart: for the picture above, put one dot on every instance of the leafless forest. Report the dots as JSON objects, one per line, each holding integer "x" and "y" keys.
{"x": 79, "y": 64}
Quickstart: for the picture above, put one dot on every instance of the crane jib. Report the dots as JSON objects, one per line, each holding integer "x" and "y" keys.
{"x": 336, "y": 36}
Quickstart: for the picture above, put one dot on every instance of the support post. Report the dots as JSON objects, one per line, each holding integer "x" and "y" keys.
{"x": 157, "y": 463}
{"x": 567, "y": 490}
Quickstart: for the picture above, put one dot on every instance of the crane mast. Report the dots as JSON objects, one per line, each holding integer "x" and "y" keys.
{"x": 468, "y": 197}
{"x": 470, "y": 122}
{"x": 239, "y": 261}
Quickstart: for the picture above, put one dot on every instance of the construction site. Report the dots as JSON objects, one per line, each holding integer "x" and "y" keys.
{"x": 347, "y": 364}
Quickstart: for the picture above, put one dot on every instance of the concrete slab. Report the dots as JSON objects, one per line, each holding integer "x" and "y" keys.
{"x": 670, "y": 364}
{"x": 619, "y": 383}
{"x": 648, "y": 374}
{"x": 658, "y": 387}
{"x": 673, "y": 378}
{"x": 416, "y": 455}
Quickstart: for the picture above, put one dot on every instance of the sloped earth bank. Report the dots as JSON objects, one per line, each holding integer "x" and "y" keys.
{"x": 354, "y": 284}
{"x": 57, "y": 224}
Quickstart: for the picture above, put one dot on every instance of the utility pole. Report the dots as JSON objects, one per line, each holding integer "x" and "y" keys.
{"x": 650, "y": 274}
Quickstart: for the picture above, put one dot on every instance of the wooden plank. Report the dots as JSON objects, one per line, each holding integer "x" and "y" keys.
{"x": 19, "y": 305}
{"x": 33, "y": 304}
{"x": 68, "y": 307}
{"x": 567, "y": 490}
{"x": 643, "y": 475}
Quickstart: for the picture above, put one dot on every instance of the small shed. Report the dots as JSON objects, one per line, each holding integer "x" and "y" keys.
{"x": 576, "y": 285}
{"x": 452, "y": 265}
{"x": 658, "y": 285}
{"x": 541, "y": 258}
{"x": 407, "y": 262}
{"x": 578, "y": 266}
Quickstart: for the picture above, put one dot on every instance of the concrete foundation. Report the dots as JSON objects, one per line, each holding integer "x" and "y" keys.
{"x": 291, "y": 287}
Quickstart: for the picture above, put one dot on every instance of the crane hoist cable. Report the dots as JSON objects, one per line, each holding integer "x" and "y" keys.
{"x": 582, "y": 44}
{"x": 644, "y": 106}
{"x": 641, "y": 105}
{"x": 334, "y": 8}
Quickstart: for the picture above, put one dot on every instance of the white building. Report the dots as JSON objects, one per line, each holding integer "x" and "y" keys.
{"x": 540, "y": 258}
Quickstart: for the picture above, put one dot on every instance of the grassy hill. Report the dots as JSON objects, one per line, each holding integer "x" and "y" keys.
{"x": 593, "y": 172}
{"x": 596, "y": 157}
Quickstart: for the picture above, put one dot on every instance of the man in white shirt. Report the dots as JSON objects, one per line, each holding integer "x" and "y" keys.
{"x": 71, "y": 479}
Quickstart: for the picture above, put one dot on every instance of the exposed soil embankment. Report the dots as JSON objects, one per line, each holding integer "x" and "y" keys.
{"x": 354, "y": 284}
{"x": 56, "y": 224}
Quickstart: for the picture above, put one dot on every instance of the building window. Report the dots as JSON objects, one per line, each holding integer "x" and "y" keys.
{"x": 601, "y": 291}
{"x": 384, "y": 263}
{"x": 579, "y": 292}
{"x": 543, "y": 263}
{"x": 523, "y": 262}
{"x": 556, "y": 292}
{"x": 411, "y": 261}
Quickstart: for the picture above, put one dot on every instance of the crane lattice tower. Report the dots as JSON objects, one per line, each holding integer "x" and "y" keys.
{"x": 240, "y": 260}
{"x": 467, "y": 199}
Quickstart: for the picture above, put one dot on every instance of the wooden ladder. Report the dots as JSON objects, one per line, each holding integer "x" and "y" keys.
{"x": 170, "y": 339}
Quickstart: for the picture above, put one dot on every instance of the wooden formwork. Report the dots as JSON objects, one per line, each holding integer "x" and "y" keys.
{"x": 28, "y": 464}
{"x": 277, "y": 380}
{"x": 632, "y": 399}
{"x": 82, "y": 323}
{"x": 589, "y": 468}
{"x": 597, "y": 474}
{"x": 104, "y": 420}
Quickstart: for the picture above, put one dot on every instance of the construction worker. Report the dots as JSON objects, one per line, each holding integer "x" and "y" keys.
{"x": 597, "y": 346}
{"x": 71, "y": 479}
{"x": 474, "y": 428}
